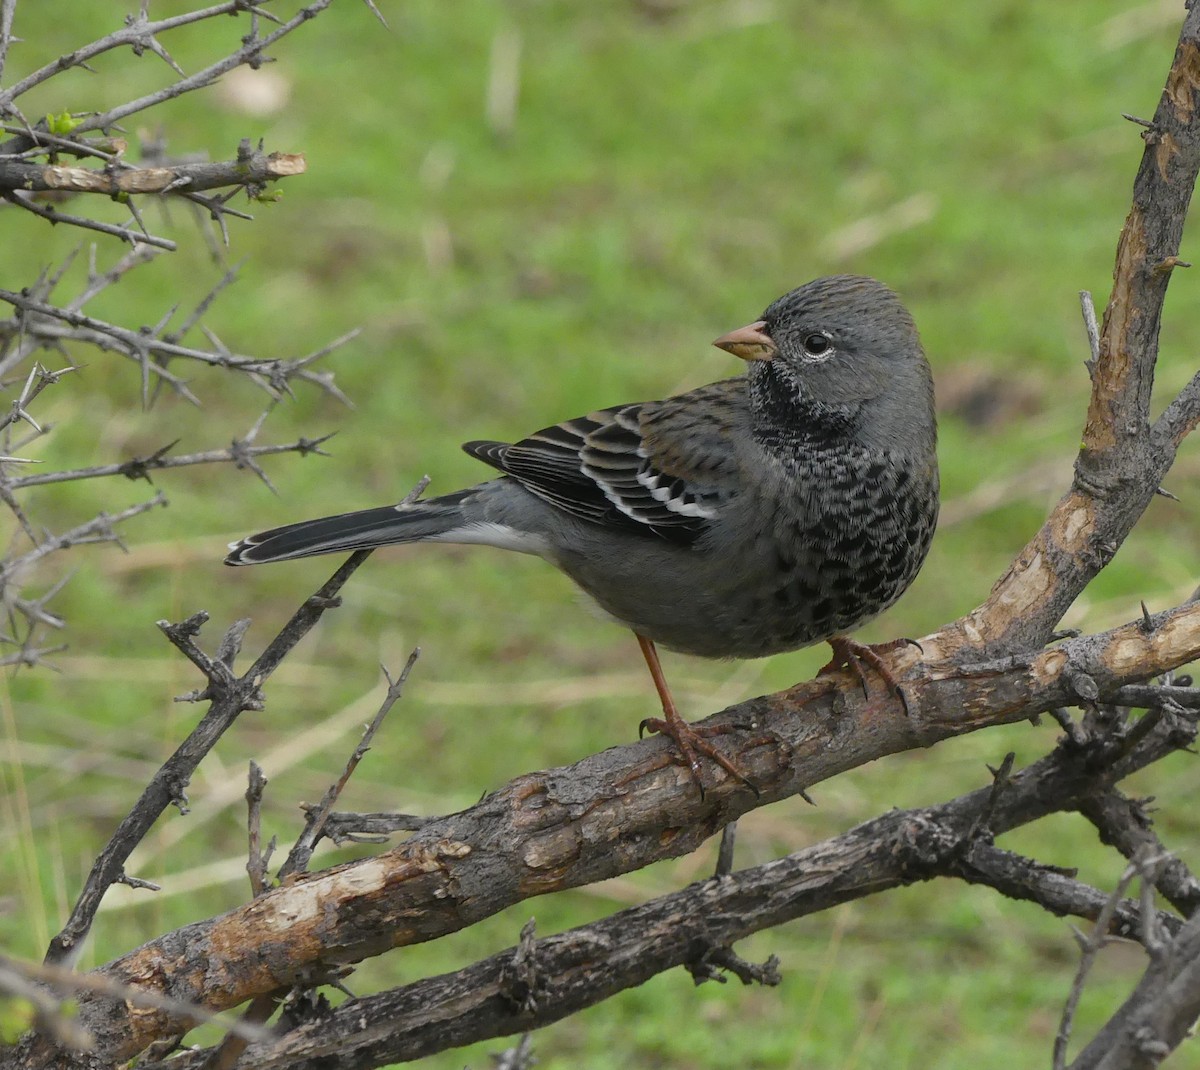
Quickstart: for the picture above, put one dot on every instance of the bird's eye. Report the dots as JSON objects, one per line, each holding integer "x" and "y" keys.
{"x": 816, "y": 345}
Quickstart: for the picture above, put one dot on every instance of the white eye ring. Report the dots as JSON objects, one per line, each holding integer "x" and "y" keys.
{"x": 818, "y": 345}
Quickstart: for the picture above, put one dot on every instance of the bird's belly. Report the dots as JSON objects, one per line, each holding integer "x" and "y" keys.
{"x": 780, "y": 596}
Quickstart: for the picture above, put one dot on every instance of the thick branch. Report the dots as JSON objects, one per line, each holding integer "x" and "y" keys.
{"x": 563, "y": 828}
{"x": 584, "y": 966}
{"x": 1121, "y": 463}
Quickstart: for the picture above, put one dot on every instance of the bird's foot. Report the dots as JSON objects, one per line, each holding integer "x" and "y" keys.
{"x": 691, "y": 741}
{"x": 852, "y": 655}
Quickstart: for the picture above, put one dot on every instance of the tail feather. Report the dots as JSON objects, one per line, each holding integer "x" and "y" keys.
{"x": 360, "y": 530}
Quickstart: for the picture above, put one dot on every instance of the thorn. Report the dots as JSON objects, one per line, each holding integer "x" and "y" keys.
{"x": 1163, "y": 492}
{"x": 1147, "y": 623}
{"x": 1169, "y": 264}
{"x": 1148, "y": 124}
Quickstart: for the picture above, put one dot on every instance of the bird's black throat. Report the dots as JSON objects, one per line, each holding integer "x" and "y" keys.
{"x": 789, "y": 417}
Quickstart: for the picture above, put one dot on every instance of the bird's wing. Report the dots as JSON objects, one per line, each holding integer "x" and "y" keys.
{"x": 661, "y": 468}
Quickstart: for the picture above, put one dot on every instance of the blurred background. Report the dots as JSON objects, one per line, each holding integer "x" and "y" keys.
{"x": 533, "y": 210}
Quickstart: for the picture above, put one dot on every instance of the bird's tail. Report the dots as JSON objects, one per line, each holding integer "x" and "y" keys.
{"x": 361, "y": 530}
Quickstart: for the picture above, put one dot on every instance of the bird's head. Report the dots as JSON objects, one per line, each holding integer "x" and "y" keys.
{"x": 841, "y": 348}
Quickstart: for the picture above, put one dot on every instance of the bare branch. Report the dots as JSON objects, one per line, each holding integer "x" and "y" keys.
{"x": 229, "y": 697}
{"x": 251, "y": 53}
{"x": 141, "y": 467}
{"x": 316, "y": 816}
{"x": 53, "y": 215}
{"x": 1125, "y": 824}
{"x": 1158, "y": 1014}
{"x": 135, "y": 34}
{"x": 251, "y": 168}
{"x": 1090, "y": 947}
{"x": 7, "y": 7}
{"x": 99, "y": 529}
{"x": 256, "y": 867}
{"x": 1121, "y": 463}
{"x": 603, "y": 816}
{"x": 536, "y": 983}
{"x": 142, "y": 345}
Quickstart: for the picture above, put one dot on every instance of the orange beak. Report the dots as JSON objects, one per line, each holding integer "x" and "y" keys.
{"x": 750, "y": 342}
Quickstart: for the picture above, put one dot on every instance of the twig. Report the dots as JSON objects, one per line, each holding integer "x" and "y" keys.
{"x": 316, "y": 816}
{"x": 7, "y": 7}
{"x": 136, "y": 33}
{"x": 1089, "y": 947}
{"x": 250, "y": 52}
{"x": 1163, "y": 1007}
{"x": 341, "y": 827}
{"x": 141, "y": 467}
{"x": 98, "y": 529}
{"x": 1124, "y": 824}
{"x": 1091, "y": 326}
{"x": 54, "y": 215}
{"x": 229, "y": 698}
{"x": 256, "y": 864}
{"x": 140, "y": 345}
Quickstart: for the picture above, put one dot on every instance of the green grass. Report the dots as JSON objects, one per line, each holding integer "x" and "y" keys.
{"x": 670, "y": 171}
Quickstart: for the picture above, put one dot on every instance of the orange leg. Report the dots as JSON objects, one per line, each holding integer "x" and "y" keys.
{"x": 688, "y": 739}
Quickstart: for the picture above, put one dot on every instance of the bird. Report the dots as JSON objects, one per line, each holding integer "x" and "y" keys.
{"x": 775, "y": 510}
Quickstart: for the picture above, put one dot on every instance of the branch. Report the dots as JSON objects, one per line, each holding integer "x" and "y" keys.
{"x": 1159, "y": 1013}
{"x": 252, "y": 53}
{"x": 141, "y": 33}
{"x": 250, "y": 168}
{"x": 240, "y": 453}
{"x": 521, "y": 989}
{"x": 141, "y": 345}
{"x": 605, "y": 815}
{"x": 1123, "y": 823}
{"x": 316, "y": 817}
{"x": 1122, "y": 462}
{"x": 229, "y": 696}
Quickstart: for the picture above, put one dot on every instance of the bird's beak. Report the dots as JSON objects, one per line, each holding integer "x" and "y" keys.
{"x": 750, "y": 342}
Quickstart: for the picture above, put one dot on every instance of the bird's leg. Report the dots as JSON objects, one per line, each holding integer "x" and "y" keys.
{"x": 852, "y": 655}
{"x": 687, "y": 738}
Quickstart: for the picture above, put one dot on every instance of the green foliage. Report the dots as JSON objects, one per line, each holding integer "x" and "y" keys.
{"x": 668, "y": 170}
{"x": 62, "y": 125}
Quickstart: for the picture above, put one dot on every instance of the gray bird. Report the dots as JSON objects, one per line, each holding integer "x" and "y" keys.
{"x": 754, "y": 515}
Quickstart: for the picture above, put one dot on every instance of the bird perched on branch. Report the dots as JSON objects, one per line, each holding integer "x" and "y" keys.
{"x": 755, "y": 515}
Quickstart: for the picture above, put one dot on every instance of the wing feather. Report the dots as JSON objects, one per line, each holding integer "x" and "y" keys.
{"x": 627, "y": 467}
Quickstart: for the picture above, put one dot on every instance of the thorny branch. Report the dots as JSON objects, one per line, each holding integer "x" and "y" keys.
{"x": 613, "y": 812}
{"x": 241, "y": 454}
{"x": 39, "y": 324}
{"x": 317, "y": 816}
{"x": 228, "y": 696}
{"x": 51, "y": 324}
{"x": 536, "y": 983}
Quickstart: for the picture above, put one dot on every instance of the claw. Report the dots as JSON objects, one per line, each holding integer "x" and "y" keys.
{"x": 848, "y": 654}
{"x": 687, "y": 738}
